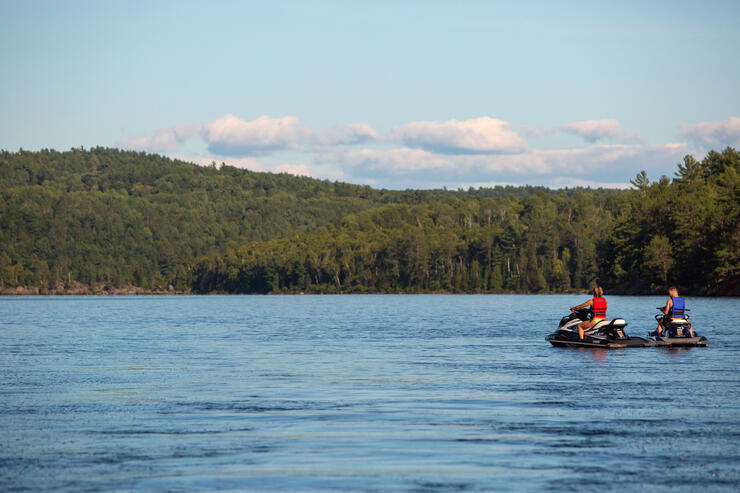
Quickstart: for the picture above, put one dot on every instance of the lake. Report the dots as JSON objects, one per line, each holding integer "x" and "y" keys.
{"x": 359, "y": 393}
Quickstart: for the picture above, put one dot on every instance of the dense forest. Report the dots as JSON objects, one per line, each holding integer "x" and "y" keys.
{"x": 105, "y": 220}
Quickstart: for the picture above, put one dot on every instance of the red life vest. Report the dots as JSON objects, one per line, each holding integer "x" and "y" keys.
{"x": 599, "y": 308}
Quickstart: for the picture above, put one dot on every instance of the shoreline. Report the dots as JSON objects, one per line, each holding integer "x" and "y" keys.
{"x": 25, "y": 292}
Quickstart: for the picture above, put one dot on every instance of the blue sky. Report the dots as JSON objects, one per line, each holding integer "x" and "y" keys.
{"x": 392, "y": 94}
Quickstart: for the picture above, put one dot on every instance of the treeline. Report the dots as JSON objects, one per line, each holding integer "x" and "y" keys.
{"x": 683, "y": 231}
{"x": 107, "y": 219}
{"x": 540, "y": 243}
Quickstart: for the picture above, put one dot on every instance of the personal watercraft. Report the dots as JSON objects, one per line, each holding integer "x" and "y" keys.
{"x": 607, "y": 333}
{"x": 676, "y": 332}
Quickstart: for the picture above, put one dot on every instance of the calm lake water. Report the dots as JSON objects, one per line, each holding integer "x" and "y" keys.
{"x": 359, "y": 393}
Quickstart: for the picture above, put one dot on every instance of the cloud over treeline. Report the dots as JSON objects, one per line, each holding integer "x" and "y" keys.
{"x": 482, "y": 135}
{"x": 231, "y": 136}
{"x": 603, "y": 164}
{"x": 164, "y": 139}
{"x": 714, "y": 134}
{"x": 432, "y": 153}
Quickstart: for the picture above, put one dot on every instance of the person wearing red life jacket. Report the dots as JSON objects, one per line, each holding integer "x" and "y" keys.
{"x": 598, "y": 310}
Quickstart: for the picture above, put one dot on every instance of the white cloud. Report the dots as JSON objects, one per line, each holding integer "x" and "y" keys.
{"x": 162, "y": 140}
{"x": 590, "y": 130}
{"x": 602, "y": 162}
{"x": 352, "y": 134}
{"x": 431, "y": 154}
{"x": 606, "y": 165}
{"x": 477, "y": 136}
{"x": 395, "y": 160}
{"x": 714, "y": 134}
{"x": 562, "y": 182}
{"x": 593, "y": 130}
{"x": 249, "y": 163}
{"x": 293, "y": 169}
{"x": 360, "y": 133}
{"x": 232, "y": 136}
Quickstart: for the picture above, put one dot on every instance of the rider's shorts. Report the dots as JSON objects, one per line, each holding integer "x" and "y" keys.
{"x": 596, "y": 320}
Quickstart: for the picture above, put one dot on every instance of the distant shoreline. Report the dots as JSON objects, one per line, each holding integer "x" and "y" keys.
{"x": 110, "y": 222}
{"x": 136, "y": 291}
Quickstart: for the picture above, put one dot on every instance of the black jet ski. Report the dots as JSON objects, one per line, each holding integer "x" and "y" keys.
{"x": 608, "y": 334}
{"x": 676, "y": 332}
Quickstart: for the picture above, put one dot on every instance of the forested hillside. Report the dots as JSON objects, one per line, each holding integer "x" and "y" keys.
{"x": 105, "y": 220}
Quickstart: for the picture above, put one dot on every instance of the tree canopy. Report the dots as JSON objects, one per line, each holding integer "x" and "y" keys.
{"x": 108, "y": 219}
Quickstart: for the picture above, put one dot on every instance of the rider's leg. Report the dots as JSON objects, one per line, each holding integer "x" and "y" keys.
{"x": 586, "y": 324}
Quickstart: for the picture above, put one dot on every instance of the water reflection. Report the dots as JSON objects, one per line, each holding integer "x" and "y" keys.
{"x": 676, "y": 350}
{"x": 600, "y": 354}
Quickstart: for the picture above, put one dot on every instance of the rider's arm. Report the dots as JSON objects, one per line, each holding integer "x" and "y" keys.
{"x": 668, "y": 305}
{"x": 582, "y": 305}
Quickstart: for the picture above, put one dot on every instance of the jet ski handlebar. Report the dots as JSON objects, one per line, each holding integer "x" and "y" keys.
{"x": 581, "y": 313}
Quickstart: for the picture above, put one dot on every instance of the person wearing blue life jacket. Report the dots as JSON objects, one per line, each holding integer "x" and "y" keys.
{"x": 598, "y": 310}
{"x": 675, "y": 308}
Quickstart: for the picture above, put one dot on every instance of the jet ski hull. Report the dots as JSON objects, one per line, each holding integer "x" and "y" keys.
{"x": 561, "y": 342}
{"x": 639, "y": 342}
{"x": 696, "y": 341}
{"x": 558, "y": 341}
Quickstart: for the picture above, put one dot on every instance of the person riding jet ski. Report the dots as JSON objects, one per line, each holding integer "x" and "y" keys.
{"x": 598, "y": 310}
{"x": 675, "y": 309}
{"x": 587, "y": 327}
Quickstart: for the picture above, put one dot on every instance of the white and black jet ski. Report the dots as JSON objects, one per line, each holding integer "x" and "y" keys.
{"x": 607, "y": 333}
{"x": 676, "y": 331}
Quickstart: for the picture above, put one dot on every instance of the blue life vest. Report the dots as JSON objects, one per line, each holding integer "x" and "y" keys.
{"x": 679, "y": 307}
